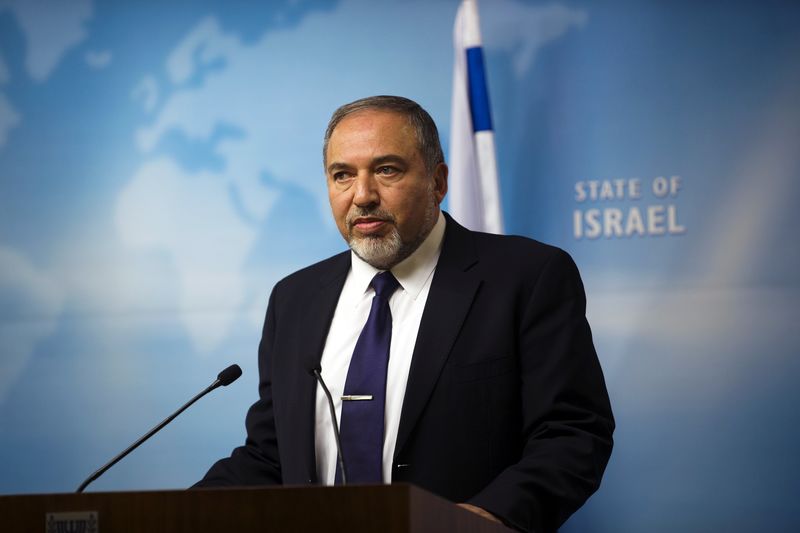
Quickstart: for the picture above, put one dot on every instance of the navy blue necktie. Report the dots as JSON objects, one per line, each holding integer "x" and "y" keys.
{"x": 364, "y": 395}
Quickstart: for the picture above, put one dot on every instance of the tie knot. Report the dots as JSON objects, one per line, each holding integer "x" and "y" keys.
{"x": 385, "y": 284}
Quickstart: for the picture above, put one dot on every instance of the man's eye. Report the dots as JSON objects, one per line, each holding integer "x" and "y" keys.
{"x": 386, "y": 171}
{"x": 340, "y": 176}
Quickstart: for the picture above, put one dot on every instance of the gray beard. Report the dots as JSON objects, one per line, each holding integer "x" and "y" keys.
{"x": 384, "y": 252}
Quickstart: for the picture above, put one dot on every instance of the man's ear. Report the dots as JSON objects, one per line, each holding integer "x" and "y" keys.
{"x": 440, "y": 181}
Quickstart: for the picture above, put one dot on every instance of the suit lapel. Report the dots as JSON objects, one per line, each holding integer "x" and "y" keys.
{"x": 450, "y": 299}
{"x": 311, "y": 341}
{"x": 319, "y": 313}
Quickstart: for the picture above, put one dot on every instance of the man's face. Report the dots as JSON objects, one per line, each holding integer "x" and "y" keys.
{"x": 384, "y": 200}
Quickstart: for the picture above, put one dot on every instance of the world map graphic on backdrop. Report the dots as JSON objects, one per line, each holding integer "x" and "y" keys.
{"x": 205, "y": 69}
{"x": 181, "y": 178}
{"x": 210, "y": 166}
{"x": 30, "y": 289}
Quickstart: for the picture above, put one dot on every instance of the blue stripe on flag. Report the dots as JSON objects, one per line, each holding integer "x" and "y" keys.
{"x": 478, "y": 95}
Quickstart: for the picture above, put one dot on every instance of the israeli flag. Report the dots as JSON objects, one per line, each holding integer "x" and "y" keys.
{"x": 474, "y": 191}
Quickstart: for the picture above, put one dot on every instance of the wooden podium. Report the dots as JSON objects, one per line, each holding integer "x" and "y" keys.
{"x": 353, "y": 509}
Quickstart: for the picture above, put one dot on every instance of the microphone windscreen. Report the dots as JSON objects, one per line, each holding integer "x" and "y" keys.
{"x": 229, "y": 375}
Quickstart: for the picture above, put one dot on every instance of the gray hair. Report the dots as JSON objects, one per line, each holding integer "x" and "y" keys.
{"x": 424, "y": 127}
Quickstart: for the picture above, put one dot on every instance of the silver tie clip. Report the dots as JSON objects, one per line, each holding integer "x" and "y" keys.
{"x": 356, "y": 397}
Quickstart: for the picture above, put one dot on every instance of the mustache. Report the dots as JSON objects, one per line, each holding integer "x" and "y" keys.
{"x": 371, "y": 212}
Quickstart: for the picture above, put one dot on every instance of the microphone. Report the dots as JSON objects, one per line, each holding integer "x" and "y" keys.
{"x": 315, "y": 371}
{"x": 224, "y": 378}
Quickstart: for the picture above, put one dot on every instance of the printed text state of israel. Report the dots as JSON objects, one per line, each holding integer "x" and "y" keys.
{"x": 655, "y": 215}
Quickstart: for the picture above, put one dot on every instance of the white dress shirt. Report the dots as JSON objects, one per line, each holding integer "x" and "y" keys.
{"x": 407, "y": 303}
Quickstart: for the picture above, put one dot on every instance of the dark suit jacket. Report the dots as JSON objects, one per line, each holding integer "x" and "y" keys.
{"x": 505, "y": 407}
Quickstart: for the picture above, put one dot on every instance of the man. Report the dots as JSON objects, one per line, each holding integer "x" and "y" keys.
{"x": 488, "y": 393}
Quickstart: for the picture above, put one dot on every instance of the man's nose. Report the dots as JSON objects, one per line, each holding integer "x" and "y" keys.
{"x": 366, "y": 190}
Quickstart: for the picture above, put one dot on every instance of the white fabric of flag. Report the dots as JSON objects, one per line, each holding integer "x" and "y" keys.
{"x": 474, "y": 191}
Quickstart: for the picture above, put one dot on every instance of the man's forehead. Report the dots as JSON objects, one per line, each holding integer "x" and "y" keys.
{"x": 378, "y": 132}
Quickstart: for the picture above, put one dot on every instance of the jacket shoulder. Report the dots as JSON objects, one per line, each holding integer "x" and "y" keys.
{"x": 510, "y": 253}
{"x": 516, "y": 246}
{"x": 493, "y": 248}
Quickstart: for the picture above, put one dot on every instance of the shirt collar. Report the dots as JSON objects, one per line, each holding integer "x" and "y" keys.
{"x": 413, "y": 271}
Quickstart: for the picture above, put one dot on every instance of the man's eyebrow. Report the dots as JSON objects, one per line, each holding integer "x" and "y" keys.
{"x": 333, "y": 167}
{"x": 389, "y": 158}
{"x": 380, "y": 160}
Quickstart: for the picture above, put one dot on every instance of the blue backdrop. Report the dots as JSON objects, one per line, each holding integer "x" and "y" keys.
{"x": 160, "y": 170}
